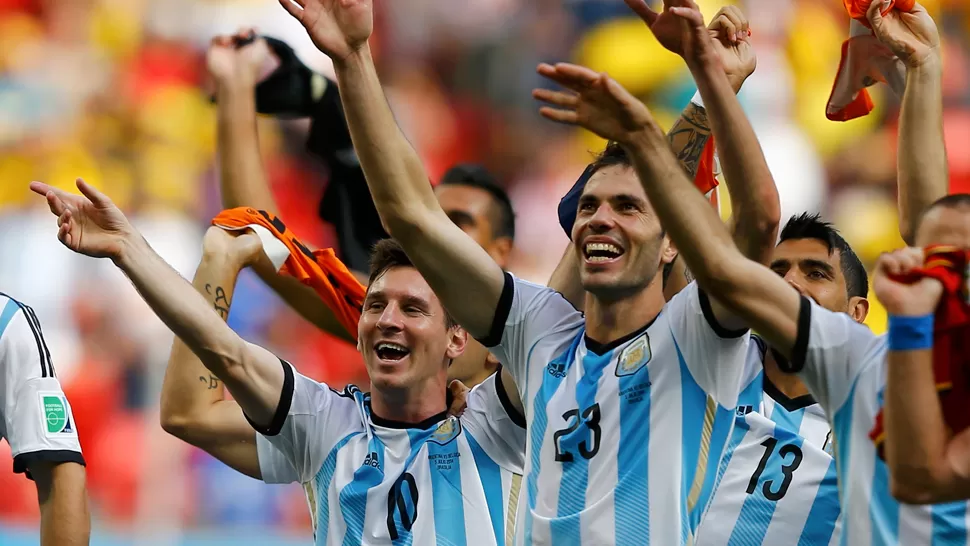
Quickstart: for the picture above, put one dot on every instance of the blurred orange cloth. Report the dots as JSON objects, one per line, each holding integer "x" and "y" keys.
{"x": 319, "y": 269}
{"x": 865, "y": 61}
{"x": 857, "y": 9}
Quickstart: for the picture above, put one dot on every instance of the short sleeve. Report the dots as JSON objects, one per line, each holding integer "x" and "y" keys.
{"x": 526, "y": 313}
{"x": 310, "y": 420}
{"x": 715, "y": 356}
{"x": 37, "y": 419}
{"x": 830, "y": 352}
{"x": 495, "y": 424}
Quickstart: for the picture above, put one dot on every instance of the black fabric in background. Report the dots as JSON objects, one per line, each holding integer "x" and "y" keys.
{"x": 346, "y": 203}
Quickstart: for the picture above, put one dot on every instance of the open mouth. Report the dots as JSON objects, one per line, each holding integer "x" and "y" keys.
{"x": 391, "y": 351}
{"x": 601, "y": 252}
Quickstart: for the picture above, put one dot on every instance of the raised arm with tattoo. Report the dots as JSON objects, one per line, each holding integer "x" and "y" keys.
{"x": 243, "y": 181}
{"x": 92, "y": 225}
{"x": 194, "y": 407}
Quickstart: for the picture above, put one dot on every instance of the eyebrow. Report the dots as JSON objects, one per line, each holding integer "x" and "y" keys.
{"x": 460, "y": 217}
{"x": 405, "y": 300}
{"x": 808, "y": 263}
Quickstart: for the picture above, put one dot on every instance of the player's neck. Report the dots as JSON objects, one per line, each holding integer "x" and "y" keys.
{"x": 607, "y": 321}
{"x": 410, "y": 406}
{"x": 789, "y": 384}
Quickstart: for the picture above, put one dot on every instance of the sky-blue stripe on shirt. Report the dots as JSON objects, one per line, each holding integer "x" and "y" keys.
{"x": 575, "y": 473}
{"x": 323, "y": 478}
{"x": 449, "y": 507}
{"x": 823, "y": 514}
{"x": 353, "y": 497}
{"x": 491, "y": 476}
{"x": 632, "y": 501}
{"x": 540, "y": 420}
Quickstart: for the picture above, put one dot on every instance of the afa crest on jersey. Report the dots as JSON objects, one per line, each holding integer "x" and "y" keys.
{"x": 634, "y": 357}
{"x": 447, "y": 431}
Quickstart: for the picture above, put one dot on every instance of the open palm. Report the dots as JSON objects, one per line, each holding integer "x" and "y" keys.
{"x": 594, "y": 101}
{"x": 337, "y": 27}
{"x": 679, "y": 27}
{"x": 90, "y": 223}
{"x": 911, "y": 36}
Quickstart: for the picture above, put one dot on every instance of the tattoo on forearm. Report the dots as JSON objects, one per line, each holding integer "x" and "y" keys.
{"x": 689, "y": 136}
{"x": 221, "y": 302}
{"x": 212, "y": 382}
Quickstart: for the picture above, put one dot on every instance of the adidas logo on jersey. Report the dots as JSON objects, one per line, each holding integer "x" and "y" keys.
{"x": 372, "y": 460}
{"x": 557, "y": 369}
{"x": 744, "y": 410}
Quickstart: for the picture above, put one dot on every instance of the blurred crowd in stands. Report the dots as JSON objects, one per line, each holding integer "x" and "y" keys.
{"x": 115, "y": 91}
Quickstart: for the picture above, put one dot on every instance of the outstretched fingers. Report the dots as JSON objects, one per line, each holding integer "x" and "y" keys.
{"x": 558, "y": 98}
{"x": 569, "y": 75}
{"x": 294, "y": 8}
{"x": 641, "y": 8}
{"x": 99, "y": 199}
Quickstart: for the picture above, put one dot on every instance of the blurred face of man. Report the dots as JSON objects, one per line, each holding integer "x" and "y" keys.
{"x": 617, "y": 236}
{"x": 474, "y": 210}
{"x": 809, "y": 266}
{"x": 945, "y": 225}
{"x": 403, "y": 333}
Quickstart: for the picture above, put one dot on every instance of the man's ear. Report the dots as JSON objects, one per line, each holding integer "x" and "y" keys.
{"x": 457, "y": 341}
{"x": 858, "y": 308}
{"x": 500, "y": 250}
{"x": 668, "y": 251}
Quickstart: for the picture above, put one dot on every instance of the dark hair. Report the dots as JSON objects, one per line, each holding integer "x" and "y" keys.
{"x": 951, "y": 201}
{"x": 388, "y": 254}
{"x": 810, "y": 226}
{"x": 477, "y": 176}
{"x": 613, "y": 154}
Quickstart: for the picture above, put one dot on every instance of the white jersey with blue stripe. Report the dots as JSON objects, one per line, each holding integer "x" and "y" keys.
{"x": 777, "y": 481}
{"x": 844, "y": 366}
{"x": 624, "y": 438}
{"x": 371, "y": 481}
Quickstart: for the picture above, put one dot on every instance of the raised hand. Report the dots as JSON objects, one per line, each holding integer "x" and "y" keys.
{"x": 900, "y": 298}
{"x": 912, "y": 36}
{"x": 88, "y": 224}
{"x": 679, "y": 28}
{"x": 232, "y": 59}
{"x": 730, "y": 35}
{"x": 593, "y": 101}
{"x": 337, "y": 27}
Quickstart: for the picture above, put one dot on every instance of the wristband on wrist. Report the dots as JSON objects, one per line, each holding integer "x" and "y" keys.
{"x": 910, "y": 333}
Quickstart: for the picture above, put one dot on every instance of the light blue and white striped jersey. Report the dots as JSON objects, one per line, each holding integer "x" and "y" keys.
{"x": 377, "y": 482}
{"x": 777, "y": 482}
{"x": 624, "y": 438}
{"x": 844, "y": 366}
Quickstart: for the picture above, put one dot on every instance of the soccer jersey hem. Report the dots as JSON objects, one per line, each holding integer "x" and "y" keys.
{"x": 799, "y": 350}
{"x": 22, "y": 461}
{"x": 502, "y": 311}
{"x": 503, "y": 397}
{"x": 708, "y": 312}
{"x": 282, "y": 408}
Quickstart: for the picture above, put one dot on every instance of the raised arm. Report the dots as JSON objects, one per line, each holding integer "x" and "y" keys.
{"x": 194, "y": 407}
{"x": 923, "y": 175}
{"x": 750, "y": 290}
{"x": 461, "y": 273}
{"x": 729, "y": 58}
{"x": 92, "y": 225}
{"x": 243, "y": 181}
{"x": 916, "y": 438}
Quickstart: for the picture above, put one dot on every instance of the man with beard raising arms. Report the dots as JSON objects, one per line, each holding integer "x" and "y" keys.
{"x": 627, "y": 407}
